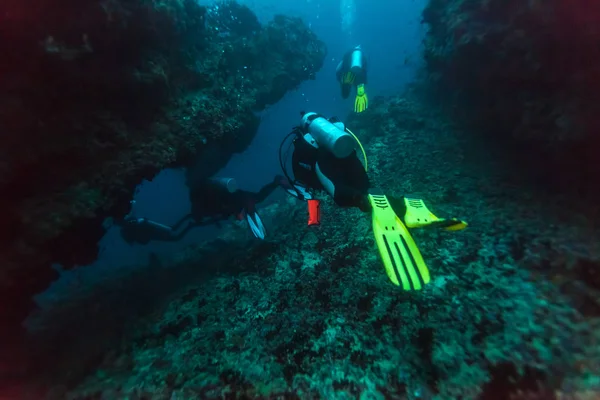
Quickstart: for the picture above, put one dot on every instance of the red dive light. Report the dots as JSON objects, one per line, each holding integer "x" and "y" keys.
{"x": 314, "y": 212}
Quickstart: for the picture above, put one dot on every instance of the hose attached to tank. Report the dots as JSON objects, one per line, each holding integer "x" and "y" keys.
{"x": 361, "y": 148}
{"x": 282, "y": 162}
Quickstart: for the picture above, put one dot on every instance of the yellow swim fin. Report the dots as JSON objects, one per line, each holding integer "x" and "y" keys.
{"x": 418, "y": 216}
{"x": 348, "y": 78}
{"x": 362, "y": 101}
{"x": 402, "y": 259}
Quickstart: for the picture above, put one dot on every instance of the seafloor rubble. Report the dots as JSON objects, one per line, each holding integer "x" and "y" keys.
{"x": 512, "y": 310}
{"x": 526, "y": 73}
{"x": 97, "y": 95}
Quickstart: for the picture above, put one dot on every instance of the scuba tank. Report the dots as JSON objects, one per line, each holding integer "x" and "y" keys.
{"x": 327, "y": 135}
{"x": 356, "y": 61}
{"x": 228, "y": 184}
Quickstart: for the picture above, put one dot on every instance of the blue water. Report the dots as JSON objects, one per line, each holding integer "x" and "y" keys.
{"x": 388, "y": 31}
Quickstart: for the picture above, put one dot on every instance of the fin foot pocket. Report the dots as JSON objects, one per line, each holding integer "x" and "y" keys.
{"x": 418, "y": 216}
{"x": 401, "y": 257}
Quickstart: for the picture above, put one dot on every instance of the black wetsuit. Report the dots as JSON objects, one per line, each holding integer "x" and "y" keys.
{"x": 210, "y": 204}
{"x": 347, "y": 175}
{"x": 350, "y": 180}
{"x": 210, "y": 201}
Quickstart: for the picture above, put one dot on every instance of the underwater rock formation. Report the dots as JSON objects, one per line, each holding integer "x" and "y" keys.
{"x": 524, "y": 70}
{"x": 98, "y": 95}
{"x": 512, "y": 311}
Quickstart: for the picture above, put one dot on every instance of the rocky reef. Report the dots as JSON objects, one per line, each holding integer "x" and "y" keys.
{"x": 524, "y": 73}
{"x": 512, "y": 311}
{"x": 98, "y": 95}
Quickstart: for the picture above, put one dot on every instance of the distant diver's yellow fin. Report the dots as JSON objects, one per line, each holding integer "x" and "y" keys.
{"x": 401, "y": 257}
{"x": 348, "y": 78}
{"x": 418, "y": 216}
{"x": 361, "y": 103}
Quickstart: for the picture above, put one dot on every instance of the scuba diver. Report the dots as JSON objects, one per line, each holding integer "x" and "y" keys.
{"x": 213, "y": 200}
{"x": 325, "y": 158}
{"x": 352, "y": 71}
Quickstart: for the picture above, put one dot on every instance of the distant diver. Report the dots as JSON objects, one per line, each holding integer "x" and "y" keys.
{"x": 213, "y": 200}
{"x": 352, "y": 71}
{"x": 324, "y": 158}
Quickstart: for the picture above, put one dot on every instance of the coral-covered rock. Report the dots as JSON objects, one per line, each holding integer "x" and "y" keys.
{"x": 525, "y": 70}
{"x": 97, "y": 95}
{"x": 512, "y": 308}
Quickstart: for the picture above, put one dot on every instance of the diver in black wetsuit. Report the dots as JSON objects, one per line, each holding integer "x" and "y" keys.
{"x": 213, "y": 200}
{"x": 325, "y": 158}
{"x": 333, "y": 167}
{"x": 352, "y": 72}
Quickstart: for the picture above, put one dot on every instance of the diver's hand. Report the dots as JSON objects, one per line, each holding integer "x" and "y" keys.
{"x": 282, "y": 181}
{"x": 279, "y": 179}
